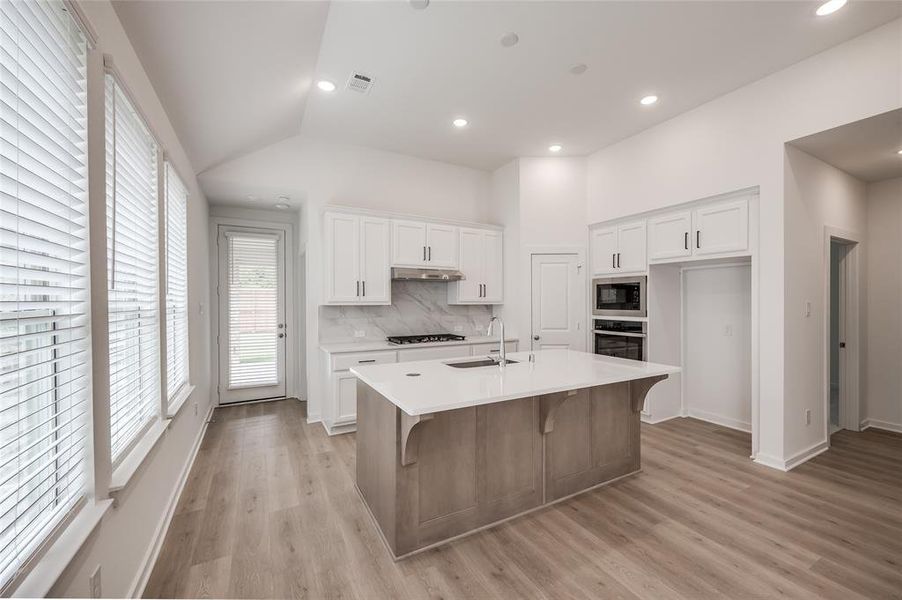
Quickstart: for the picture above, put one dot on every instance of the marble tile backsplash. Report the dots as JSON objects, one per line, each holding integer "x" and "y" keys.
{"x": 417, "y": 307}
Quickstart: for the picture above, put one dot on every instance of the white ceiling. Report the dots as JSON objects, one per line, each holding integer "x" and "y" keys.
{"x": 233, "y": 76}
{"x": 866, "y": 149}
{"x": 435, "y": 64}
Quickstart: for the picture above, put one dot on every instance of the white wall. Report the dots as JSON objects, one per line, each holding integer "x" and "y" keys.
{"x": 883, "y": 390}
{"x": 718, "y": 343}
{"x": 541, "y": 202}
{"x": 735, "y": 142}
{"x": 321, "y": 174}
{"x": 123, "y": 540}
{"x": 816, "y": 195}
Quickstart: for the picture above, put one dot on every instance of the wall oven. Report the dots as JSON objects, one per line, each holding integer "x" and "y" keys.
{"x": 619, "y": 296}
{"x": 623, "y": 339}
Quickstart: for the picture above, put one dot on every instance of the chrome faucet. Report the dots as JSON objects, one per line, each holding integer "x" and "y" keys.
{"x": 502, "y": 361}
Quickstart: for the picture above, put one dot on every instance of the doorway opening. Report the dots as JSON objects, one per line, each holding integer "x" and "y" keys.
{"x": 842, "y": 335}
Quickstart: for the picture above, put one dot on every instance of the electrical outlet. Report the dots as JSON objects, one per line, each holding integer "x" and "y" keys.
{"x": 94, "y": 583}
{"x": 807, "y": 416}
{"x": 359, "y": 333}
{"x": 728, "y": 330}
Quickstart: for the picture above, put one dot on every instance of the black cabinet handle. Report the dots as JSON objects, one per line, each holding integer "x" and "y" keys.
{"x": 698, "y": 242}
{"x": 430, "y": 253}
{"x": 686, "y": 241}
{"x": 364, "y": 288}
{"x": 613, "y": 261}
{"x": 366, "y": 361}
{"x": 358, "y": 288}
{"x": 618, "y": 260}
{"x": 424, "y": 253}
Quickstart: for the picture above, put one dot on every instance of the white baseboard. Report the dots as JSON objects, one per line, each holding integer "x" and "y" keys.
{"x": 648, "y": 419}
{"x": 884, "y": 425}
{"x": 339, "y": 429}
{"x": 719, "y": 420}
{"x": 793, "y": 461}
{"x": 150, "y": 558}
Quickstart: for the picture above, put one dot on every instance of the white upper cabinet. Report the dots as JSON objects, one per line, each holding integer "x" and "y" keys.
{"x": 408, "y": 243}
{"x": 721, "y": 227}
{"x": 619, "y": 249}
{"x": 441, "y": 246}
{"x": 604, "y": 251}
{"x": 418, "y": 244}
{"x": 357, "y": 259}
{"x": 481, "y": 263}
{"x": 668, "y": 235}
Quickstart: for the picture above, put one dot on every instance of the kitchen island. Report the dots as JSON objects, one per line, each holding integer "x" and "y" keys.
{"x": 443, "y": 451}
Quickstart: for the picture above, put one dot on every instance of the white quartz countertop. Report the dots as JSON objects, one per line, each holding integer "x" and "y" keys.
{"x": 371, "y": 345}
{"x": 440, "y": 387}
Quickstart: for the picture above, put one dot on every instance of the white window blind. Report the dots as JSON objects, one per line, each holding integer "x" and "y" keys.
{"x": 253, "y": 309}
{"x": 44, "y": 372}
{"x": 132, "y": 271}
{"x": 176, "y": 284}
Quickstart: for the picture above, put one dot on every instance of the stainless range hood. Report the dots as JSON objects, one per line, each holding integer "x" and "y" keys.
{"x": 404, "y": 274}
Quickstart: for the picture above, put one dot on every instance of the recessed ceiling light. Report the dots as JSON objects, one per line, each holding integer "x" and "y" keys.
{"x": 899, "y": 152}
{"x": 578, "y": 69}
{"x": 648, "y": 100}
{"x": 829, "y": 7}
{"x": 555, "y": 147}
{"x": 282, "y": 205}
{"x": 325, "y": 85}
{"x": 509, "y": 39}
{"x": 460, "y": 122}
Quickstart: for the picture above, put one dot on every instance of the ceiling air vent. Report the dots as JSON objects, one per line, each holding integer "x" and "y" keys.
{"x": 360, "y": 83}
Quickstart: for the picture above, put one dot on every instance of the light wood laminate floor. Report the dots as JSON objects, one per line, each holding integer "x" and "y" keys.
{"x": 270, "y": 511}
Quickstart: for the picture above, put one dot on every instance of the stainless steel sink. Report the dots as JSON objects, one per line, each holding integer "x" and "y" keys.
{"x": 482, "y": 362}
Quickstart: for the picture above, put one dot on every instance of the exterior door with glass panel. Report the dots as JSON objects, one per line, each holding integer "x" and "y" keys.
{"x": 251, "y": 314}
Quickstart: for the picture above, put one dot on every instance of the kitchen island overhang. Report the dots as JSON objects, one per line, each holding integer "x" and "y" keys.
{"x": 443, "y": 451}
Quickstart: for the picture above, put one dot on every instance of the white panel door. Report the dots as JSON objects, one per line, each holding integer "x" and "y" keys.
{"x": 408, "y": 244}
{"x": 472, "y": 261}
{"x": 493, "y": 269}
{"x": 342, "y": 258}
{"x": 375, "y": 269}
{"x": 721, "y": 227}
{"x": 251, "y": 314}
{"x": 668, "y": 236}
{"x": 604, "y": 251}
{"x": 441, "y": 246}
{"x": 558, "y": 296}
{"x": 631, "y": 248}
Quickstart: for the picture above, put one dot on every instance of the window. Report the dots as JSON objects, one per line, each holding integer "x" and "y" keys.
{"x": 44, "y": 374}
{"x": 132, "y": 271}
{"x": 176, "y": 285}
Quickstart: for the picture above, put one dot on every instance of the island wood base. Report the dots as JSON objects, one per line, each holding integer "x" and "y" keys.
{"x": 434, "y": 477}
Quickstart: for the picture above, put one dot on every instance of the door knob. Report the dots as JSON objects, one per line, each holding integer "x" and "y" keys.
{"x": 281, "y": 335}
{"x": 535, "y": 337}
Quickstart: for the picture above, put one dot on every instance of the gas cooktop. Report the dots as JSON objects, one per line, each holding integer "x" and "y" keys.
{"x": 423, "y": 339}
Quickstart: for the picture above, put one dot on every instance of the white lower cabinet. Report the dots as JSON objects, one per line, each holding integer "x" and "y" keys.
{"x": 433, "y": 353}
{"x": 493, "y": 348}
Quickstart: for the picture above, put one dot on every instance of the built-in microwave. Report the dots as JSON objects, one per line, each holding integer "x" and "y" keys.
{"x": 619, "y": 296}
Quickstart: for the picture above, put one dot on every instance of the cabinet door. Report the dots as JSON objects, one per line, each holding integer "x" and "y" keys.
{"x": 433, "y": 353}
{"x": 721, "y": 227}
{"x": 345, "y": 387}
{"x": 342, "y": 258}
{"x": 493, "y": 270}
{"x": 441, "y": 246}
{"x": 604, "y": 251}
{"x": 375, "y": 270}
{"x": 631, "y": 247}
{"x": 408, "y": 244}
{"x": 669, "y": 236}
{"x": 472, "y": 244}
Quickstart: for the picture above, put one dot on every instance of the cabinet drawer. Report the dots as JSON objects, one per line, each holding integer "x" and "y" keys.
{"x": 343, "y": 362}
{"x": 493, "y": 348}
{"x": 433, "y": 353}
